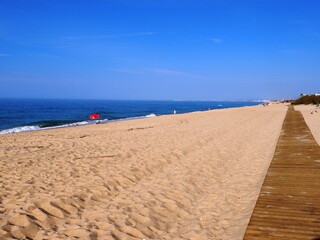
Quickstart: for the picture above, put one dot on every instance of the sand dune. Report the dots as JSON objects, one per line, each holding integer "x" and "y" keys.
{"x": 189, "y": 176}
{"x": 312, "y": 120}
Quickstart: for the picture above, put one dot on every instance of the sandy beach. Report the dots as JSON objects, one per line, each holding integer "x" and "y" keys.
{"x": 188, "y": 176}
{"x": 312, "y": 120}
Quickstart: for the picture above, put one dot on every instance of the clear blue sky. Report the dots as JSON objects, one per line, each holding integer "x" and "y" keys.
{"x": 159, "y": 49}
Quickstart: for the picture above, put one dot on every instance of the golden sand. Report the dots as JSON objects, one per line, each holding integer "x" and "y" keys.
{"x": 312, "y": 120}
{"x": 188, "y": 176}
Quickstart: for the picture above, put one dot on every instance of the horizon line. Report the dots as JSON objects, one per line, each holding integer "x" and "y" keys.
{"x": 158, "y": 100}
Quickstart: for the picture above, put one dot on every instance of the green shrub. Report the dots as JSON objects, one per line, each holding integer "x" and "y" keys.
{"x": 308, "y": 99}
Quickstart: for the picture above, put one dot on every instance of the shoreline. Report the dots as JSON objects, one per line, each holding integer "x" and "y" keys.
{"x": 20, "y": 129}
{"x": 187, "y": 176}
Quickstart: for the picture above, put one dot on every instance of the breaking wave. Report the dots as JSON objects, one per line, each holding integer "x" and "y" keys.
{"x": 62, "y": 124}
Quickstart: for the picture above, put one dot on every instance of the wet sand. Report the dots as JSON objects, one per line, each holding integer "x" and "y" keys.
{"x": 188, "y": 176}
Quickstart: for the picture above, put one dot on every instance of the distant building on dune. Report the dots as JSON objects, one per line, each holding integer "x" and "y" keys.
{"x": 310, "y": 94}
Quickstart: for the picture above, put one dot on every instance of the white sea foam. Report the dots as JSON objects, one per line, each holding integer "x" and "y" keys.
{"x": 34, "y": 128}
{"x": 150, "y": 115}
{"x": 20, "y": 129}
{"x": 69, "y": 125}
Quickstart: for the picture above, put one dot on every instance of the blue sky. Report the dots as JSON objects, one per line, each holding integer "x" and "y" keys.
{"x": 159, "y": 49}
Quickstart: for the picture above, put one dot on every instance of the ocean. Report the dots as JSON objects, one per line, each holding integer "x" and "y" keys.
{"x": 19, "y": 115}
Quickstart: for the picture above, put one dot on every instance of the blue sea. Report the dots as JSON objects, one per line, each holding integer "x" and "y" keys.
{"x": 18, "y": 115}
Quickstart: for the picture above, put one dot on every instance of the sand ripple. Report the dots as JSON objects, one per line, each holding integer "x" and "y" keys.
{"x": 190, "y": 176}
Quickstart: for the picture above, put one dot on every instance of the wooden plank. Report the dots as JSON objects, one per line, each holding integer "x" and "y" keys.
{"x": 288, "y": 206}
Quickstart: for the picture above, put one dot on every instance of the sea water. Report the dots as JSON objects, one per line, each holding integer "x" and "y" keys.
{"x": 19, "y": 115}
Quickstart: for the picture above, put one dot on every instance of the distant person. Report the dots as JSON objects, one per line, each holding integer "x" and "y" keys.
{"x": 265, "y": 104}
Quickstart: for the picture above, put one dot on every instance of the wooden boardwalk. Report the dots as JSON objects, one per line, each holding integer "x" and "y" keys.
{"x": 289, "y": 203}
